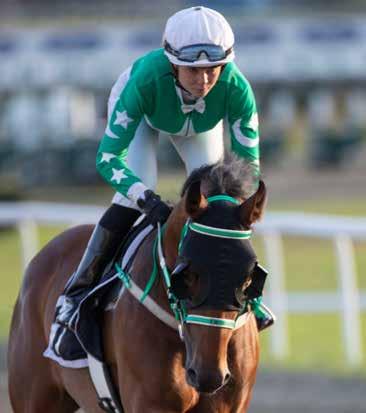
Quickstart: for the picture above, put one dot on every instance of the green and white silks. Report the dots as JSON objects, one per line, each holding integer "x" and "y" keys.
{"x": 147, "y": 92}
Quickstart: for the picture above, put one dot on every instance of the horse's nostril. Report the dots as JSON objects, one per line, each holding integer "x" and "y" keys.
{"x": 227, "y": 378}
{"x": 192, "y": 375}
{"x": 207, "y": 381}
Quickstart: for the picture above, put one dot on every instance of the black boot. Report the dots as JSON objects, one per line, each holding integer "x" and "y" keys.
{"x": 101, "y": 248}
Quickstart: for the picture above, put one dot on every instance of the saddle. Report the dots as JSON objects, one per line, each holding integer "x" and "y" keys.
{"x": 86, "y": 339}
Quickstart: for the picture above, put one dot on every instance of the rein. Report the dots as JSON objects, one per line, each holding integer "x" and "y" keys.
{"x": 181, "y": 316}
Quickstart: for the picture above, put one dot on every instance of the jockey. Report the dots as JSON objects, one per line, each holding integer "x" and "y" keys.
{"x": 182, "y": 91}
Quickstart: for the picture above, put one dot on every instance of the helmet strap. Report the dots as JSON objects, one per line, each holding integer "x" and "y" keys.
{"x": 188, "y": 94}
{"x": 177, "y": 82}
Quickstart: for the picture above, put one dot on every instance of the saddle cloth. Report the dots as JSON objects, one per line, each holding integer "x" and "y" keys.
{"x": 87, "y": 338}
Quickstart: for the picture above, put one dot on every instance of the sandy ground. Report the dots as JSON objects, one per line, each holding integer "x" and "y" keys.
{"x": 279, "y": 392}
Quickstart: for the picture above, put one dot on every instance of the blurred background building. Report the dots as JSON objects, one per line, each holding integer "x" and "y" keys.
{"x": 58, "y": 61}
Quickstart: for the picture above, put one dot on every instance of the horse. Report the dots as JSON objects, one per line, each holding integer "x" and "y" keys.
{"x": 210, "y": 366}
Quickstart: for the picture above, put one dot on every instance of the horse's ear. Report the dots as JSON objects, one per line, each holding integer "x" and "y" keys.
{"x": 252, "y": 209}
{"x": 195, "y": 202}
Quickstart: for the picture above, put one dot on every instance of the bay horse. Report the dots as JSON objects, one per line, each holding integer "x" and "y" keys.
{"x": 204, "y": 246}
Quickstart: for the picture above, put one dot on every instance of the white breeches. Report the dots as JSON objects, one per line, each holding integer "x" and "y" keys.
{"x": 195, "y": 151}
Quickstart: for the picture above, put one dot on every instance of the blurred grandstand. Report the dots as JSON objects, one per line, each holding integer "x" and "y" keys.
{"x": 39, "y": 9}
{"x": 59, "y": 61}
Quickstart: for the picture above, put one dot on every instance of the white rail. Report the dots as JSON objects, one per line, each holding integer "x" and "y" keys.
{"x": 341, "y": 230}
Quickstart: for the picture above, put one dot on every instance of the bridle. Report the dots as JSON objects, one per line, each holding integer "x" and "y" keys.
{"x": 176, "y": 304}
{"x": 181, "y": 316}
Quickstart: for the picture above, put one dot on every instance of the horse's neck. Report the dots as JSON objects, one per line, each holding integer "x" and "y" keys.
{"x": 172, "y": 234}
{"x": 142, "y": 271}
{"x": 170, "y": 242}
{"x": 144, "y": 261}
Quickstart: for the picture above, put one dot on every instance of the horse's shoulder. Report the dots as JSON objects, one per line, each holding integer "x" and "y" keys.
{"x": 78, "y": 233}
{"x": 67, "y": 240}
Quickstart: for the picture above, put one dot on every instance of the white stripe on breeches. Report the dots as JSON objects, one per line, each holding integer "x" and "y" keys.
{"x": 195, "y": 151}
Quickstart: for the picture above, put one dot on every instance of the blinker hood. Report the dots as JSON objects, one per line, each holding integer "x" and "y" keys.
{"x": 222, "y": 267}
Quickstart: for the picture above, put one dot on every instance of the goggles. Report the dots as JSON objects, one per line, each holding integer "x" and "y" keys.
{"x": 192, "y": 53}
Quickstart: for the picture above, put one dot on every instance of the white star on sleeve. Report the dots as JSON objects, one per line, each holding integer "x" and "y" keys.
{"x": 118, "y": 175}
{"x": 106, "y": 157}
{"x": 122, "y": 119}
{"x": 110, "y": 134}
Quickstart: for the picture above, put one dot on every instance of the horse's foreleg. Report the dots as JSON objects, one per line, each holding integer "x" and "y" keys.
{"x": 141, "y": 404}
{"x": 35, "y": 391}
{"x": 32, "y": 392}
{"x": 44, "y": 400}
{"x": 33, "y": 386}
{"x": 79, "y": 385}
{"x": 146, "y": 408}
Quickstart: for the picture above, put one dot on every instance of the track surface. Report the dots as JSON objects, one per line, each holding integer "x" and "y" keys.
{"x": 289, "y": 393}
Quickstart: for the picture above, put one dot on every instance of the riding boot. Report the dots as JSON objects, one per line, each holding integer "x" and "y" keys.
{"x": 263, "y": 315}
{"x": 102, "y": 247}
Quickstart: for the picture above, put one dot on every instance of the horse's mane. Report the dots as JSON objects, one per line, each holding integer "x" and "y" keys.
{"x": 233, "y": 176}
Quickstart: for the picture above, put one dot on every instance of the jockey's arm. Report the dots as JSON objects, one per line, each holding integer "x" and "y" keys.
{"x": 111, "y": 157}
{"x": 243, "y": 121}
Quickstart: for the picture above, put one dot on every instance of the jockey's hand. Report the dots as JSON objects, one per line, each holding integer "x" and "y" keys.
{"x": 155, "y": 209}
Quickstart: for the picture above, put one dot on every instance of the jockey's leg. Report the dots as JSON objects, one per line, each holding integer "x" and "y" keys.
{"x": 142, "y": 154}
{"x": 263, "y": 315}
{"x": 110, "y": 231}
{"x": 102, "y": 246}
{"x": 201, "y": 149}
{"x": 115, "y": 223}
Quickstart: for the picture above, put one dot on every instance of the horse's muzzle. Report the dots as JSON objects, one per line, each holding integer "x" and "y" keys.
{"x": 206, "y": 380}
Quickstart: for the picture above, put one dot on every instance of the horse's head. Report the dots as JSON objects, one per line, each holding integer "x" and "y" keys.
{"x": 214, "y": 267}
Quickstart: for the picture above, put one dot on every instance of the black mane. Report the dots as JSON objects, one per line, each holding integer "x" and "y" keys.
{"x": 233, "y": 176}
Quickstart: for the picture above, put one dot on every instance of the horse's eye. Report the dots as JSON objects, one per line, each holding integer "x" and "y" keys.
{"x": 190, "y": 278}
{"x": 240, "y": 293}
{"x": 247, "y": 283}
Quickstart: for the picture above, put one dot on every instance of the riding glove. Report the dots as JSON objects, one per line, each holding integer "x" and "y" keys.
{"x": 155, "y": 209}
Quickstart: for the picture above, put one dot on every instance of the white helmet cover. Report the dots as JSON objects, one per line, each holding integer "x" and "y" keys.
{"x": 195, "y": 26}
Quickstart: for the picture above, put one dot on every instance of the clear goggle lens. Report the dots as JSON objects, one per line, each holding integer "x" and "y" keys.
{"x": 192, "y": 53}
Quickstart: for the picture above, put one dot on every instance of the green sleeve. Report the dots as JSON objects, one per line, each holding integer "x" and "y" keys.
{"x": 120, "y": 130}
{"x": 243, "y": 120}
